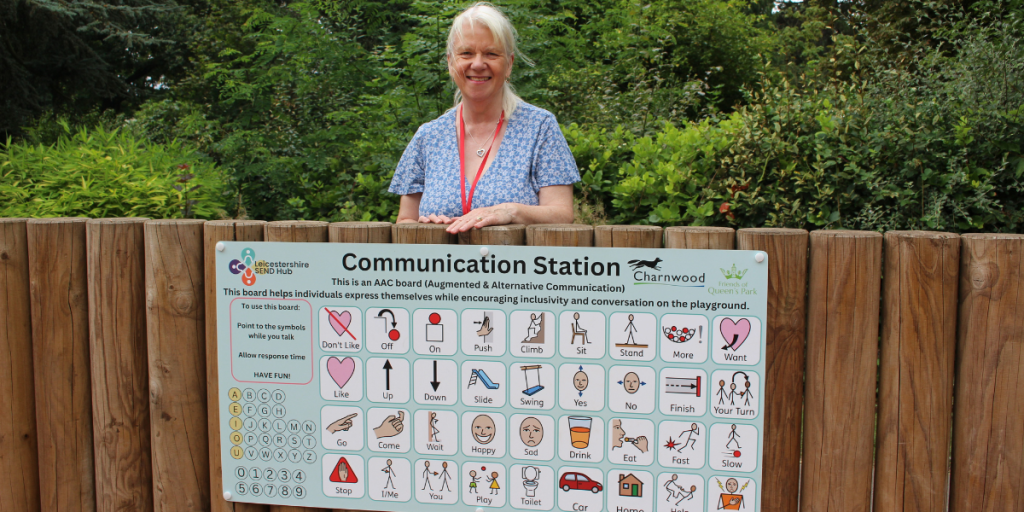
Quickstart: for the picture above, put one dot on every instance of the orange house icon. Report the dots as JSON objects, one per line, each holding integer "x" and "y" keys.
{"x": 630, "y": 485}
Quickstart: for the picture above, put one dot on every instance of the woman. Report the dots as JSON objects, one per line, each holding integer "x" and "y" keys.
{"x": 493, "y": 159}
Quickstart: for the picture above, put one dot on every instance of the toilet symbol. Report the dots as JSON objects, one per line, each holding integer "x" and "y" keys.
{"x": 580, "y": 381}
{"x": 531, "y": 390}
{"x": 392, "y": 333}
{"x": 531, "y": 480}
{"x": 435, "y": 329}
{"x": 343, "y": 473}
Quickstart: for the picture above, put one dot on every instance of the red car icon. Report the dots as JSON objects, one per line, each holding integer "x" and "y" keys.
{"x": 571, "y": 480}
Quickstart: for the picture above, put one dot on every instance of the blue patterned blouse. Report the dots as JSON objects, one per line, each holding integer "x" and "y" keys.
{"x": 532, "y": 155}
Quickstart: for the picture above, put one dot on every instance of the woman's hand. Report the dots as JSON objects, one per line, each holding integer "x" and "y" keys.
{"x": 435, "y": 219}
{"x": 497, "y": 215}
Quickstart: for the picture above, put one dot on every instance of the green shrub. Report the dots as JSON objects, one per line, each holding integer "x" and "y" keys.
{"x": 100, "y": 173}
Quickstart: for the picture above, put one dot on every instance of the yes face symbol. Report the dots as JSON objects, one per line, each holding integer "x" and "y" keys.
{"x": 483, "y": 429}
{"x": 531, "y": 431}
{"x": 580, "y": 381}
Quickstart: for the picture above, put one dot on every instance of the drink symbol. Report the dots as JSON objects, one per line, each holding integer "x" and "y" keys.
{"x": 579, "y": 431}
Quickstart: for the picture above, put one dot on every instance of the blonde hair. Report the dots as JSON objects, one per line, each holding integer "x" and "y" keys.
{"x": 504, "y": 35}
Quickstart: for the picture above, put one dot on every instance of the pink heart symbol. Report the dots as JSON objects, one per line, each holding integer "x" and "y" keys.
{"x": 341, "y": 370}
{"x": 340, "y": 322}
{"x": 735, "y": 333}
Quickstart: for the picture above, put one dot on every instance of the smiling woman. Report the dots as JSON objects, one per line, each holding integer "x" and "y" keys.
{"x": 492, "y": 159}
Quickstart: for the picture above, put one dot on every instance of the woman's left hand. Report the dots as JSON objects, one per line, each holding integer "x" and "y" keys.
{"x": 497, "y": 215}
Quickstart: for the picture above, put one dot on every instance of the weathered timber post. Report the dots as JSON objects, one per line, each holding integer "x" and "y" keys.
{"x": 116, "y": 257}
{"x": 216, "y": 231}
{"x": 19, "y": 464}
{"x": 416, "y": 233}
{"x": 842, "y": 369}
{"x": 648, "y": 237}
{"x": 700, "y": 237}
{"x": 176, "y": 327}
{"x": 295, "y": 231}
{"x": 512, "y": 234}
{"x": 784, "y": 360}
{"x": 988, "y": 434}
{"x": 60, "y": 347}
{"x": 560, "y": 235}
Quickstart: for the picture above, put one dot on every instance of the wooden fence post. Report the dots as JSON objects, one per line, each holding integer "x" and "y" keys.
{"x": 511, "y": 234}
{"x": 216, "y": 231}
{"x": 988, "y": 434}
{"x": 562, "y": 235}
{"x": 648, "y": 237}
{"x": 359, "y": 232}
{"x": 60, "y": 351}
{"x": 176, "y": 326}
{"x": 700, "y": 237}
{"x": 915, "y": 390}
{"x": 784, "y": 360}
{"x": 842, "y": 359}
{"x": 416, "y": 233}
{"x": 19, "y": 464}
{"x": 296, "y": 231}
{"x": 120, "y": 368}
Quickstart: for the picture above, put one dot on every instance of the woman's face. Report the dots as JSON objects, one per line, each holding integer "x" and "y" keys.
{"x": 479, "y": 65}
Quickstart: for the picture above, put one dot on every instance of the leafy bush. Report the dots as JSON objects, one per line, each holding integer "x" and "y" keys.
{"x": 926, "y": 146}
{"x": 101, "y": 173}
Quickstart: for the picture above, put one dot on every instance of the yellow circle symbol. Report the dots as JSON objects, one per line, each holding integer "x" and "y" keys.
{"x": 235, "y": 409}
{"x": 236, "y": 452}
{"x": 236, "y": 423}
{"x": 234, "y": 394}
{"x": 236, "y": 438}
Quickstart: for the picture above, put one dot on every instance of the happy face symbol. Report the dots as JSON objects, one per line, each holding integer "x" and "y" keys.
{"x": 482, "y": 429}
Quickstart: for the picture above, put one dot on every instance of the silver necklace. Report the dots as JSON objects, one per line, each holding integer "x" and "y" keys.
{"x": 480, "y": 152}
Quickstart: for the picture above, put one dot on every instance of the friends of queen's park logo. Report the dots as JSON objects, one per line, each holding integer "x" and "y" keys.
{"x": 245, "y": 266}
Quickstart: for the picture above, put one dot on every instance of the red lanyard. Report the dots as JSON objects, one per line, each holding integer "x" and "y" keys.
{"x": 467, "y": 205}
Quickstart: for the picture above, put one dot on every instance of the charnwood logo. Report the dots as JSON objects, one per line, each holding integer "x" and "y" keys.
{"x": 648, "y": 272}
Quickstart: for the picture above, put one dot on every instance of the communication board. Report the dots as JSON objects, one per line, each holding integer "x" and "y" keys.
{"x": 400, "y": 377}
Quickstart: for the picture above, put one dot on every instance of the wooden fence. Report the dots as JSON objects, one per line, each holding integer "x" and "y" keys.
{"x": 882, "y": 353}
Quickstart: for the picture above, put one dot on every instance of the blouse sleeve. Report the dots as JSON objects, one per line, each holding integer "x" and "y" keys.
{"x": 409, "y": 175}
{"x": 553, "y": 161}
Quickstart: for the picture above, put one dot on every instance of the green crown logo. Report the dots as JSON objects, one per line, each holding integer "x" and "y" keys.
{"x": 732, "y": 273}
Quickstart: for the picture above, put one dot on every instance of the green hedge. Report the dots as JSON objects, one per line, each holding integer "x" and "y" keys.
{"x": 107, "y": 173}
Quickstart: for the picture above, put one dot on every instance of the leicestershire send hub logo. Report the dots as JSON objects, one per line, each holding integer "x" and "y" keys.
{"x": 245, "y": 266}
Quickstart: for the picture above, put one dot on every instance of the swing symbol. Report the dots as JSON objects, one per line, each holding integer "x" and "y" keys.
{"x": 531, "y": 390}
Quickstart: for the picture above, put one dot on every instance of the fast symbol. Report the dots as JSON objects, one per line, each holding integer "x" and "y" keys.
{"x": 340, "y": 322}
